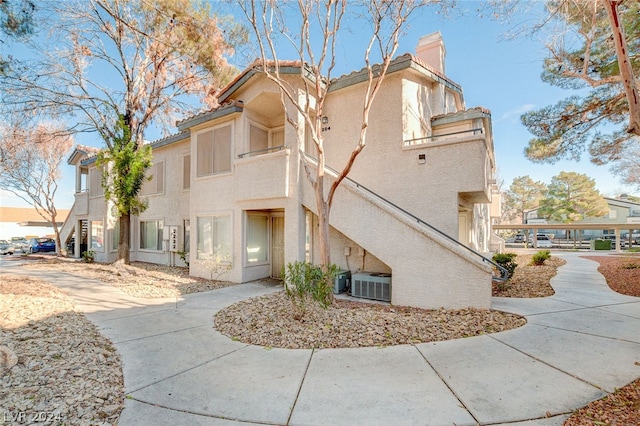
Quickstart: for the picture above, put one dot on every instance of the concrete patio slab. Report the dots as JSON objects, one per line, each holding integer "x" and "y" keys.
{"x": 580, "y": 355}
{"x": 253, "y": 384}
{"x": 375, "y": 386}
{"x": 598, "y": 322}
{"x": 139, "y": 413}
{"x": 628, "y": 309}
{"x": 531, "y": 306}
{"x": 167, "y": 356}
{"x": 499, "y": 384}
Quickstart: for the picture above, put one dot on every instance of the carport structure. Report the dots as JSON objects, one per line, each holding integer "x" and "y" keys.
{"x": 535, "y": 227}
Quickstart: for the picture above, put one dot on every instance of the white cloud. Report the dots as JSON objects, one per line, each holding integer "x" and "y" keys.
{"x": 516, "y": 112}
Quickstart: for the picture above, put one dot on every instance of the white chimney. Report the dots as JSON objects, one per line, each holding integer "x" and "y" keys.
{"x": 430, "y": 50}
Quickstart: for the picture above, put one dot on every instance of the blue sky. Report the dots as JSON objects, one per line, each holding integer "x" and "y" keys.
{"x": 496, "y": 72}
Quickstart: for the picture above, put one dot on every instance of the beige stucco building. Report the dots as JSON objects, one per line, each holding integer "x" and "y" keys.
{"x": 230, "y": 187}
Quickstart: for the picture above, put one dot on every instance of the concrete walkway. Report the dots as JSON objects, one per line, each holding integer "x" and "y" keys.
{"x": 578, "y": 345}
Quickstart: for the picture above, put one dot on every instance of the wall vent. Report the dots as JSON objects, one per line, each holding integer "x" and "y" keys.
{"x": 371, "y": 285}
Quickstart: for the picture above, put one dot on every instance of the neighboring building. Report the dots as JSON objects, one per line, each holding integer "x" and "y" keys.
{"x": 621, "y": 211}
{"x": 26, "y": 222}
{"x": 230, "y": 186}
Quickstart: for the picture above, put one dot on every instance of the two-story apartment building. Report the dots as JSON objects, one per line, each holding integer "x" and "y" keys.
{"x": 230, "y": 188}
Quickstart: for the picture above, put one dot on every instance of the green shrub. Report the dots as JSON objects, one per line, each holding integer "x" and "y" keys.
{"x": 539, "y": 258}
{"x": 506, "y": 260}
{"x": 184, "y": 256}
{"x": 89, "y": 256}
{"x": 305, "y": 283}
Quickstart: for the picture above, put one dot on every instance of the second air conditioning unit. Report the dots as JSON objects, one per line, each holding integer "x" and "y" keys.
{"x": 371, "y": 285}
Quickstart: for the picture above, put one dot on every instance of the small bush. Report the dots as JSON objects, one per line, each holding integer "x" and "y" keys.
{"x": 184, "y": 256}
{"x": 89, "y": 256}
{"x": 539, "y": 258}
{"x": 506, "y": 260}
{"x": 305, "y": 283}
{"x": 632, "y": 266}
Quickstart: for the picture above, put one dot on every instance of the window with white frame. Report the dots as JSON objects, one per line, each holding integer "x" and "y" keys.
{"x": 186, "y": 172}
{"x": 261, "y": 138}
{"x": 151, "y": 235}
{"x": 258, "y": 138}
{"x": 115, "y": 236}
{"x": 186, "y": 237}
{"x": 156, "y": 184}
{"x": 309, "y": 145}
{"x": 97, "y": 235}
{"x": 213, "y": 151}
{"x": 257, "y": 238}
{"x": 214, "y": 238}
{"x": 277, "y": 137}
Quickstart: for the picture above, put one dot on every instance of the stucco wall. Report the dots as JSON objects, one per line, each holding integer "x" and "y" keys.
{"x": 170, "y": 206}
{"x": 427, "y": 271}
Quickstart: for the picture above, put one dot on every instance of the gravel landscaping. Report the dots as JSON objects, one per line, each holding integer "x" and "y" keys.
{"x": 54, "y": 361}
{"x": 140, "y": 279}
{"x": 267, "y": 321}
{"x": 56, "y": 367}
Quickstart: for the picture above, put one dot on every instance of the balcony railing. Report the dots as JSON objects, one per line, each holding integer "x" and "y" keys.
{"x": 262, "y": 151}
{"x": 434, "y": 138}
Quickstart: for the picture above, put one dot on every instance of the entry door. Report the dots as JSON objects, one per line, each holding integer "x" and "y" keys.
{"x": 277, "y": 246}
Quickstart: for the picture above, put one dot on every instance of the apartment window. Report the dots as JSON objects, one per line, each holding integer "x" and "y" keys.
{"x": 95, "y": 182}
{"x": 214, "y": 151}
{"x": 156, "y": 184}
{"x": 115, "y": 236}
{"x": 186, "y": 242}
{"x": 309, "y": 145}
{"x": 261, "y": 139}
{"x": 257, "y": 238}
{"x": 258, "y": 138}
{"x": 151, "y": 235}
{"x": 97, "y": 235}
{"x": 277, "y": 137}
{"x": 186, "y": 172}
{"x": 214, "y": 238}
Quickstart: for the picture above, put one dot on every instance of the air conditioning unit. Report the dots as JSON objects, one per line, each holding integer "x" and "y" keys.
{"x": 371, "y": 285}
{"x": 341, "y": 282}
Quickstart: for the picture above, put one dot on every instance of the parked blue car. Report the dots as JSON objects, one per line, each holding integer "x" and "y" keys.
{"x": 37, "y": 245}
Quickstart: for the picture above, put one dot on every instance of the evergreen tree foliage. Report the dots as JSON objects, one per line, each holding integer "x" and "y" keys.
{"x": 523, "y": 194}
{"x": 124, "y": 165}
{"x": 571, "y": 197}
{"x": 584, "y": 60}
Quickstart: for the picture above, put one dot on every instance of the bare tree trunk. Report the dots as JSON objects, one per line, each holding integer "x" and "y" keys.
{"x": 59, "y": 249}
{"x": 323, "y": 221}
{"x": 123, "y": 238}
{"x": 626, "y": 71}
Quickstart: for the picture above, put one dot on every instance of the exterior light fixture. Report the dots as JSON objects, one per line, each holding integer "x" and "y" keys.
{"x": 325, "y": 120}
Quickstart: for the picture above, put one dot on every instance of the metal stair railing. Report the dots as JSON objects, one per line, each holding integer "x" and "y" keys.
{"x": 504, "y": 274}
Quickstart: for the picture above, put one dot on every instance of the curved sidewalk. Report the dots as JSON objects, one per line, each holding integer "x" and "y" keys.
{"x": 578, "y": 345}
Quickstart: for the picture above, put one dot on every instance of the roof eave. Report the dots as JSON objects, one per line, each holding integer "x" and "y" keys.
{"x": 406, "y": 61}
{"x": 221, "y": 111}
{"x": 178, "y": 137}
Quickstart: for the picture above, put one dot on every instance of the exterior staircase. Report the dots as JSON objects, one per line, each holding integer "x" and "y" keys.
{"x": 429, "y": 269}
{"x": 68, "y": 228}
